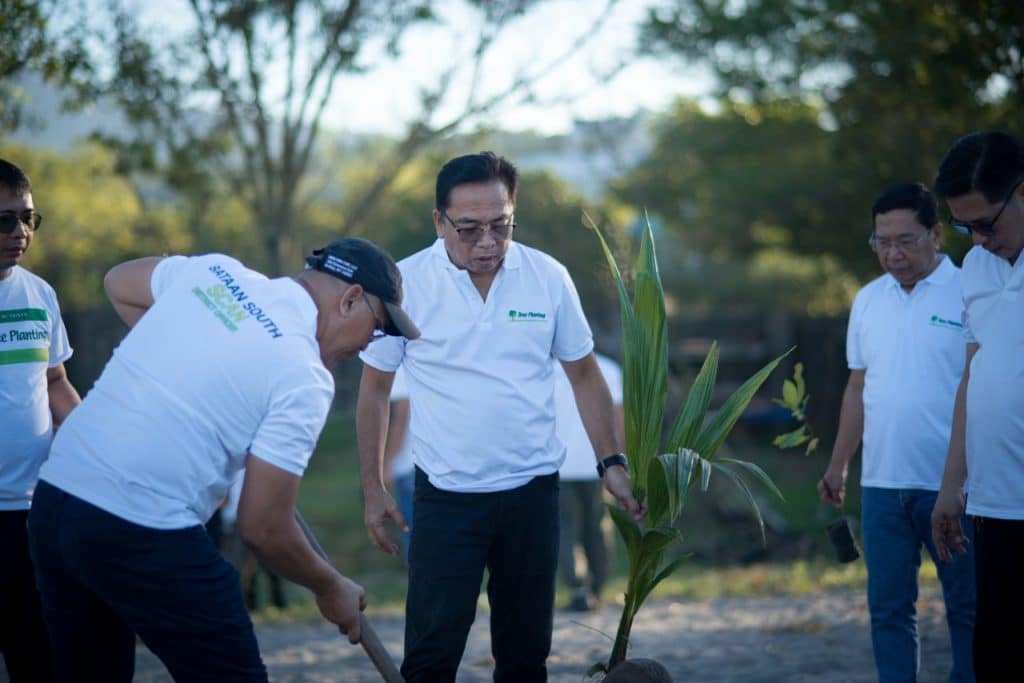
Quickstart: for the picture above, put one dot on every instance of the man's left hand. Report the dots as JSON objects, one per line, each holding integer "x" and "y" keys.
{"x": 616, "y": 481}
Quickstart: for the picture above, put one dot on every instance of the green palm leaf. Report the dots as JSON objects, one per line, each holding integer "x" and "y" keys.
{"x": 747, "y": 493}
{"x": 712, "y": 436}
{"x": 694, "y": 411}
{"x": 757, "y": 472}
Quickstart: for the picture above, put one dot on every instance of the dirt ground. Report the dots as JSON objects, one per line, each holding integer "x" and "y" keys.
{"x": 822, "y": 637}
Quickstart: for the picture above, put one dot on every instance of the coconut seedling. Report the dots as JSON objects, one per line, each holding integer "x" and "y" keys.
{"x": 664, "y": 473}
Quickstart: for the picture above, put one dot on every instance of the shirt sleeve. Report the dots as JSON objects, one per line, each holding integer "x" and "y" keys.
{"x": 60, "y": 349}
{"x": 573, "y": 338}
{"x": 384, "y": 354}
{"x": 288, "y": 433}
{"x": 854, "y": 353}
{"x": 166, "y": 271}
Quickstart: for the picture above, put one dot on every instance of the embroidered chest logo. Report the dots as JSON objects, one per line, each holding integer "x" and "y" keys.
{"x": 948, "y": 324}
{"x": 515, "y": 316}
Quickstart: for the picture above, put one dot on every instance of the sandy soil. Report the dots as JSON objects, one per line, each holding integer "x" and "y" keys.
{"x": 822, "y": 638}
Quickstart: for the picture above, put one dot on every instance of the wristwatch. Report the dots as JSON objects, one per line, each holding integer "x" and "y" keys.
{"x": 619, "y": 459}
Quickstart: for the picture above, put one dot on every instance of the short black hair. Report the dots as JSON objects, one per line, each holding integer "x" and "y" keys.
{"x": 14, "y": 179}
{"x": 913, "y": 196}
{"x": 474, "y": 168}
{"x": 989, "y": 162}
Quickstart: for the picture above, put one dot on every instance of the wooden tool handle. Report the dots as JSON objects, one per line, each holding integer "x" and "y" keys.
{"x": 369, "y": 639}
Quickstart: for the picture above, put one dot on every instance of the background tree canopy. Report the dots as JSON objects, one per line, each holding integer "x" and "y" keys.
{"x": 822, "y": 104}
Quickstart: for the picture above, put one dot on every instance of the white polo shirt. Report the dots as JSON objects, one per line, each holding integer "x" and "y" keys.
{"x": 224, "y": 363}
{"x": 994, "y": 318}
{"x": 480, "y": 377}
{"x": 912, "y": 350}
{"x": 580, "y": 460}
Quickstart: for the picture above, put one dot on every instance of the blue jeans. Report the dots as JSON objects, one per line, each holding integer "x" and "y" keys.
{"x": 895, "y": 523}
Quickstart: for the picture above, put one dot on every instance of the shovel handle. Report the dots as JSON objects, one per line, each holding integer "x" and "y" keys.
{"x": 369, "y": 639}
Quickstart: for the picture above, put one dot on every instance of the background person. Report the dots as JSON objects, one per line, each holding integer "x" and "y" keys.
{"x": 982, "y": 180}
{"x": 904, "y": 347}
{"x": 222, "y": 369}
{"x": 35, "y": 397}
{"x": 481, "y": 395}
{"x": 581, "y": 495}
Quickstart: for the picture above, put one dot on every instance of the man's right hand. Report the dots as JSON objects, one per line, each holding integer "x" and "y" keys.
{"x": 340, "y": 603}
{"x": 378, "y": 506}
{"x": 832, "y": 486}
{"x": 947, "y": 531}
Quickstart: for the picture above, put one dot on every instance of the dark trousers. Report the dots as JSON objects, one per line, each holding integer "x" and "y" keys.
{"x": 104, "y": 579}
{"x": 999, "y": 568}
{"x": 514, "y": 535}
{"x": 24, "y": 644}
{"x": 581, "y": 509}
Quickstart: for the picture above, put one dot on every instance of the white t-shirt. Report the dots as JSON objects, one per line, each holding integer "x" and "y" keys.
{"x": 402, "y": 464}
{"x": 32, "y": 340}
{"x": 580, "y": 460}
{"x": 994, "y": 318}
{"x": 223, "y": 364}
{"x": 481, "y": 381}
{"x": 912, "y": 349}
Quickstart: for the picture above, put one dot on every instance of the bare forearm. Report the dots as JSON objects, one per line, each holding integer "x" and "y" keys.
{"x": 63, "y": 399}
{"x": 599, "y": 418}
{"x": 128, "y": 288}
{"x": 129, "y": 314}
{"x": 955, "y": 472}
{"x": 284, "y": 550}
{"x": 851, "y": 426}
{"x": 371, "y": 427}
{"x": 397, "y": 430}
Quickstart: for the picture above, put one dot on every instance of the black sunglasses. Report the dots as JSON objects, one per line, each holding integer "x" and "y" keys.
{"x": 989, "y": 228}
{"x": 9, "y": 221}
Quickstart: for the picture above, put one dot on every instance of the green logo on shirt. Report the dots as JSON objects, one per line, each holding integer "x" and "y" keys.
{"x": 24, "y": 356}
{"x": 515, "y": 316}
{"x": 948, "y": 324}
{"x": 20, "y": 315}
{"x": 225, "y": 310}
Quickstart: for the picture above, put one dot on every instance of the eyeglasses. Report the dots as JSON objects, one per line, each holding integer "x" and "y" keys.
{"x": 881, "y": 245}
{"x": 378, "y": 324}
{"x": 9, "y": 221}
{"x": 471, "y": 233}
{"x": 988, "y": 229}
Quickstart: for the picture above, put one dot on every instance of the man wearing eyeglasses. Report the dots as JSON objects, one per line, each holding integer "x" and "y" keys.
{"x": 222, "y": 369}
{"x": 481, "y": 392}
{"x": 904, "y": 347}
{"x": 35, "y": 397}
{"x": 982, "y": 180}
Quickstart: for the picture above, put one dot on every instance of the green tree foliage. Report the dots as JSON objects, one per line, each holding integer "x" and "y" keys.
{"x": 206, "y": 102}
{"x": 93, "y": 220}
{"x": 840, "y": 98}
{"x": 751, "y": 201}
{"x": 29, "y": 42}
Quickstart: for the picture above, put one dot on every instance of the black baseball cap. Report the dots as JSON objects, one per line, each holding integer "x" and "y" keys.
{"x": 361, "y": 262}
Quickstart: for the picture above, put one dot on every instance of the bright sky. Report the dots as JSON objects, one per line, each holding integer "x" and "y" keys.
{"x": 387, "y": 95}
